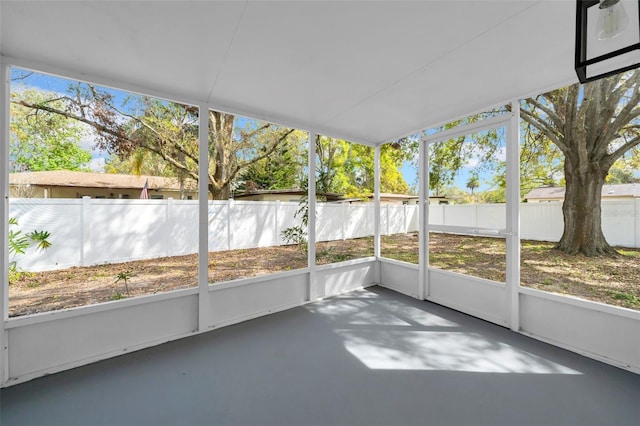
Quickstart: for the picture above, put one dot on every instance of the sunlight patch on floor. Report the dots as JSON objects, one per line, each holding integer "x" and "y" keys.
{"x": 359, "y": 312}
{"x": 441, "y": 350}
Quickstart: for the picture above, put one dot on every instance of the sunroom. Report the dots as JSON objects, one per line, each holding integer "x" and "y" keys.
{"x": 337, "y": 307}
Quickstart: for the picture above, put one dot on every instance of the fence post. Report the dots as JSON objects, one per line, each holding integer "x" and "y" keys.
{"x": 636, "y": 215}
{"x": 388, "y": 231}
{"x": 444, "y": 213}
{"x": 229, "y": 233}
{"x": 406, "y": 222}
{"x": 85, "y": 231}
{"x": 169, "y": 226}
{"x": 346, "y": 219}
{"x": 475, "y": 216}
{"x": 276, "y": 240}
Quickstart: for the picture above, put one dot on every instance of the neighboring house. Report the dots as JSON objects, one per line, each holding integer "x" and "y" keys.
{"x": 610, "y": 192}
{"x": 68, "y": 184}
{"x": 294, "y": 195}
{"x": 389, "y": 198}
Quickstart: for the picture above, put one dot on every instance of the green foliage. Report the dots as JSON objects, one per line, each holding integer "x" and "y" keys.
{"x": 19, "y": 242}
{"x": 493, "y": 196}
{"x": 118, "y": 296}
{"x": 296, "y": 235}
{"x": 14, "y": 273}
{"x": 139, "y": 162}
{"x": 392, "y": 157}
{"x": 41, "y": 140}
{"x": 330, "y": 255}
{"x": 630, "y": 300}
{"x": 124, "y": 276}
{"x": 284, "y": 168}
{"x": 626, "y": 169}
{"x": 473, "y": 182}
{"x": 348, "y": 168}
{"x": 148, "y": 136}
{"x": 342, "y": 167}
{"x": 143, "y": 133}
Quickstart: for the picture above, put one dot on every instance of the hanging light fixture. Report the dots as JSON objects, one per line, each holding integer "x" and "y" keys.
{"x": 607, "y": 37}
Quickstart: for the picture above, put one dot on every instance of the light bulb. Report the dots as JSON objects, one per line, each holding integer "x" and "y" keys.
{"x": 613, "y": 20}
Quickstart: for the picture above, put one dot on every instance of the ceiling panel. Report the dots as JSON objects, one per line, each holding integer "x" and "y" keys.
{"x": 366, "y": 71}
{"x": 490, "y": 70}
{"x": 175, "y": 47}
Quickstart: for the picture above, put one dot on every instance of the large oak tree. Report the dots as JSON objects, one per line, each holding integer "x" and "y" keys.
{"x": 593, "y": 125}
{"x": 168, "y": 131}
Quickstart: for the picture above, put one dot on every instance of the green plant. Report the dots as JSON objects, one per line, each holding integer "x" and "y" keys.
{"x": 118, "y": 296}
{"x": 296, "y": 235}
{"x": 124, "y": 276}
{"x": 19, "y": 242}
{"x": 340, "y": 257}
{"x": 14, "y": 273}
{"x": 630, "y": 298}
{"x": 32, "y": 284}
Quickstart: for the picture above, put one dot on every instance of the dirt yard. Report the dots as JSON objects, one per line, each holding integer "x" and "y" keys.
{"x": 80, "y": 286}
{"x": 608, "y": 280}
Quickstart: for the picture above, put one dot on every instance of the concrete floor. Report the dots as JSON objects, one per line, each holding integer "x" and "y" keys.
{"x": 371, "y": 357}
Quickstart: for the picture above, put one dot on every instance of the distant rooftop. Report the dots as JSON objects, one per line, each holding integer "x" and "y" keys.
{"x": 331, "y": 196}
{"x": 631, "y": 190}
{"x": 65, "y": 178}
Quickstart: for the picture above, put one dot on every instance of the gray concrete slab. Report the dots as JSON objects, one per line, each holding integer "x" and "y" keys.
{"x": 372, "y": 357}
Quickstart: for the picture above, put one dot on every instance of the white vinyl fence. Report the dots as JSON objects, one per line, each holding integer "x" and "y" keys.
{"x": 97, "y": 231}
{"x": 544, "y": 221}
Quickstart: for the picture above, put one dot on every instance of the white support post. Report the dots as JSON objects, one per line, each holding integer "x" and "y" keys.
{"x": 204, "y": 307}
{"x": 423, "y": 221}
{"x": 376, "y": 214}
{"x": 311, "y": 227}
{"x": 513, "y": 218}
{"x": 4, "y": 222}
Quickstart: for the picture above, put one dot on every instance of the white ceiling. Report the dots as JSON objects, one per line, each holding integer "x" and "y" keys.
{"x": 364, "y": 71}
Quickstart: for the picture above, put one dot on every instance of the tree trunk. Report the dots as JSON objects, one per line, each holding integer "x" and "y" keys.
{"x": 221, "y": 153}
{"x": 581, "y": 210}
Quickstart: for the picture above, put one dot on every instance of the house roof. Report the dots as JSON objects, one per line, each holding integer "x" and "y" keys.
{"x": 364, "y": 71}
{"x": 391, "y": 196}
{"x": 331, "y": 196}
{"x": 64, "y": 178}
{"x": 608, "y": 190}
